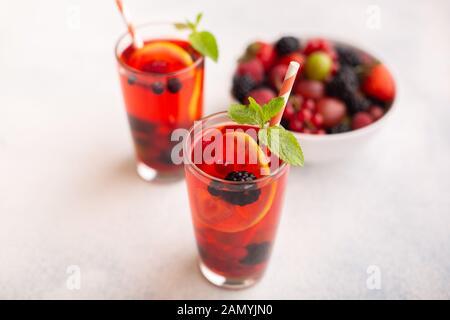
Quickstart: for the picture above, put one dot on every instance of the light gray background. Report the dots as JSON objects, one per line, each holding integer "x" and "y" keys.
{"x": 69, "y": 194}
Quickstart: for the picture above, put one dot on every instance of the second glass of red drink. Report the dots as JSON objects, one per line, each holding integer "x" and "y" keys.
{"x": 162, "y": 85}
{"x": 236, "y": 197}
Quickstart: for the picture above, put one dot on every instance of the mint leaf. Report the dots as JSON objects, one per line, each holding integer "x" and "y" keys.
{"x": 181, "y": 26}
{"x": 205, "y": 43}
{"x": 191, "y": 25}
{"x": 198, "y": 18}
{"x": 272, "y": 108}
{"x": 283, "y": 144}
{"x": 243, "y": 114}
{"x": 259, "y": 113}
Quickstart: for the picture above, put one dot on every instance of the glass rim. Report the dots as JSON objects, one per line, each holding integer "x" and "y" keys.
{"x": 122, "y": 37}
{"x": 188, "y": 162}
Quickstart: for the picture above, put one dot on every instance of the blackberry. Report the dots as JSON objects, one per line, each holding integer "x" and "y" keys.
{"x": 214, "y": 189}
{"x": 244, "y": 194}
{"x": 242, "y": 85}
{"x": 287, "y": 45}
{"x": 343, "y": 82}
{"x": 356, "y": 102}
{"x": 174, "y": 85}
{"x": 157, "y": 87}
{"x": 139, "y": 126}
{"x": 238, "y": 194}
{"x": 256, "y": 253}
{"x": 238, "y": 176}
{"x": 344, "y": 86}
{"x": 375, "y": 101}
{"x": 340, "y": 128}
{"x": 348, "y": 56}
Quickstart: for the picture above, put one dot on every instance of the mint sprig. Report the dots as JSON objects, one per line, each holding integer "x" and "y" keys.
{"x": 279, "y": 141}
{"x": 202, "y": 41}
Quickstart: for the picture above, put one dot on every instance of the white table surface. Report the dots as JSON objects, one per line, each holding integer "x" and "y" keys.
{"x": 69, "y": 194}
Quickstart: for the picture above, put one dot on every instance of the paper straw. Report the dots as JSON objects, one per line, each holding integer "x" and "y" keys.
{"x": 286, "y": 88}
{"x": 137, "y": 40}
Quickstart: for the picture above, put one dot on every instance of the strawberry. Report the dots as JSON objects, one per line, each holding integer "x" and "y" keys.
{"x": 252, "y": 68}
{"x": 262, "y": 51}
{"x": 379, "y": 83}
{"x": 294, "y": 56}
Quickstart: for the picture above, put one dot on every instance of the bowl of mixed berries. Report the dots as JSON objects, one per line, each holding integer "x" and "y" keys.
{"x": 341, "y": 96}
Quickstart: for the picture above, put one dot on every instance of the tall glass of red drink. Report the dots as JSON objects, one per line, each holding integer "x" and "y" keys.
{"x": 235, "y": 207}
{"x": 162, "y": 85}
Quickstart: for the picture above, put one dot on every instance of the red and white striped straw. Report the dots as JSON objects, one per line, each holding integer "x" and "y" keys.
{"x": 286, "y": 88}
{"x": 137, "y": 40}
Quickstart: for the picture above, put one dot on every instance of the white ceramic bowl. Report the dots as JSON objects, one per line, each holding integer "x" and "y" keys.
{"x": 339, "y": 146}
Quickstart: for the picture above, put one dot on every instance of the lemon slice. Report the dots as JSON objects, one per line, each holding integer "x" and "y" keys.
{"x": 193, "y": 109}
{"x": 223, "y": 216}
{"x": 161, "y": 51}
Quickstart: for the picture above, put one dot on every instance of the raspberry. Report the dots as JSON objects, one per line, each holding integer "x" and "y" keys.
{"x": 242, "y": 85}
{"x": 348, "y": 56}
{"x": 361, "y": 119}
{"x": 310, "y": 89}
{"x": 262, "y": 51}
{"x": 317, "y": 44}
{"x": 332, "y": 110}
{"x": 262, "y": 95}
{"x": 252, "y": 68}
{"x": 276, "y": 75}
{"x": 376, "y": 112}
{"x": 287, "y": 45}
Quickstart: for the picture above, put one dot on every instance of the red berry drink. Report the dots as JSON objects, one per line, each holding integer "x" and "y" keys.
{"x": 236, "y": 195}
{"x": 162, "y": 85}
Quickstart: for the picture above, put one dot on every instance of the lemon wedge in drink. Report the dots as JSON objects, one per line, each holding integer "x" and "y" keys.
{"x": 160, "y": 57}
{"x": 219, "y": 214}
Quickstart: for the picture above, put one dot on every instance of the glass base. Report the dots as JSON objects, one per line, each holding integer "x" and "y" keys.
{"x": 223, "y": 282}
{"x": 151, "y": 175}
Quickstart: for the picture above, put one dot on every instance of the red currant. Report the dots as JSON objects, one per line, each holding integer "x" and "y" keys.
{"x": 317, "y": 120}
{"x": 309, "y": 104}
{"x": 321, "y": 132}
{"x": 296, "y": 125}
